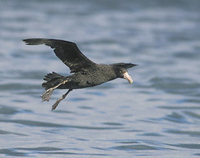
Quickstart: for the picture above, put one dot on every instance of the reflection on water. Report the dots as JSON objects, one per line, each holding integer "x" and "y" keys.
{"x": 157, "y": 116}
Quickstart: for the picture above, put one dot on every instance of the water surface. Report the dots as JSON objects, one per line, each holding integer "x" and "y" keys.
{"x": 157, "y": 116}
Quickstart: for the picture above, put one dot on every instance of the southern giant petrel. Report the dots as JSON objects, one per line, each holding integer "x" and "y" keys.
{"x": 86, "y": 73}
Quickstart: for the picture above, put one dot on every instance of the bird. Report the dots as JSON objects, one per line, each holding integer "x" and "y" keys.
{"x": 83, "y": 71}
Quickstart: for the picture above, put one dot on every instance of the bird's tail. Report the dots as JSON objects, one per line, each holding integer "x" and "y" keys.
{"x": 52, "y": 79}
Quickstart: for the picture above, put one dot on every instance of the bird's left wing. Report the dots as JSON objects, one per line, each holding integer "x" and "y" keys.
{"x": 66, "y": 51}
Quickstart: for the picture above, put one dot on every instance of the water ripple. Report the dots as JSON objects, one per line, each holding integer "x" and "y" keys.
{"x": 191, "y": 133}
{"x": 12, "y": 152}
{"x": 50, "y": 125}
{"x": 176, "y": 117}
{"x": 157, "y": 116}
{"x": 176, "y": 86}
{"x": 186, "y": 146}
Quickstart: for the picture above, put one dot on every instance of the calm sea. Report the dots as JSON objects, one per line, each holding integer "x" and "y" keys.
{"x": 156, "y": 117}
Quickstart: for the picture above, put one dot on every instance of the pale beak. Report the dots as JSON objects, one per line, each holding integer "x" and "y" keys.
{"x": 128, "y": 77}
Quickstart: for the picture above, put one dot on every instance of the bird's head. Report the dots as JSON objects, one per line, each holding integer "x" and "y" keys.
{"x": 121, "y": 70}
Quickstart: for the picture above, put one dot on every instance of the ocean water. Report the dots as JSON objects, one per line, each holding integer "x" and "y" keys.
{"x": 158, "y": 116}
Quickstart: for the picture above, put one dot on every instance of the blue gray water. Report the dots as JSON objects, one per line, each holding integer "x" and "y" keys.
{"x": 158, "y": 116}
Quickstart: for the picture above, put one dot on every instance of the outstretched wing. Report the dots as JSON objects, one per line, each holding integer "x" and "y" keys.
{"x": 66, "y": 51}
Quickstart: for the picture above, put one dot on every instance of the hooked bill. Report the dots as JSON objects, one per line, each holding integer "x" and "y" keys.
{"x": 128, "y": 77}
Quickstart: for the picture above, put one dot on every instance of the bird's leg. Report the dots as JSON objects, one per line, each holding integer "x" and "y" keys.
{"x": 46, "y": 96}
{"x": 60, "y": 99}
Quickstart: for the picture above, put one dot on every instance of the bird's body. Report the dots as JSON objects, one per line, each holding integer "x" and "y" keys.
{"x": 94, "y": 76}
{"x": 85, "y": 73}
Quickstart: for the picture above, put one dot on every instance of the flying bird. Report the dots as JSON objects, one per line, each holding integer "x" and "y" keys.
{"x": 84, "y": 72}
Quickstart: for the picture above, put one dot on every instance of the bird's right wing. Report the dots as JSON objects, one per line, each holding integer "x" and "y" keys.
{"x": 66, "y": 51}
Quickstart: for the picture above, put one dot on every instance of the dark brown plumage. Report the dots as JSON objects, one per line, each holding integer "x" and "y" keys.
{"x": 86, "y": 73}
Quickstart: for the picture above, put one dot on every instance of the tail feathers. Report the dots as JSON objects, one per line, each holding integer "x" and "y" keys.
{"x": 52, "y": 75}
{"x": 52, "y": 79}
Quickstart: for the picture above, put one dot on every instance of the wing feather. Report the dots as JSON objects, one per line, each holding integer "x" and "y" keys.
{"x": 66, "y": 51}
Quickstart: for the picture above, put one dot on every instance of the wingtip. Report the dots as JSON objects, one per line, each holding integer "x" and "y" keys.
{"x": 25, "y": 41}
{"x": 28, "y": 41}
{"x": 34, "y": 41}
